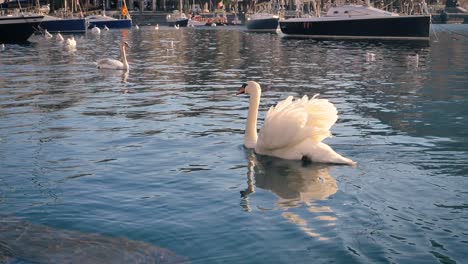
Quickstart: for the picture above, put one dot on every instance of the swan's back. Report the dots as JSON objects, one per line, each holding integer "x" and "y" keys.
{"x": 109, "y": 64}
{"x": 71, "y": 42}
{"x": 293, "y": 121}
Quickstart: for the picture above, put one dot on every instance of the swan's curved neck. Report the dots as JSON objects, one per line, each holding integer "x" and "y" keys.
{"x": 250, "y": 136}
{"x": 124, "y": 57}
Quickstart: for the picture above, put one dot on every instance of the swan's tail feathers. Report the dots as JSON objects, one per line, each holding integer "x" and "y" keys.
{"x": 323, "y": 153}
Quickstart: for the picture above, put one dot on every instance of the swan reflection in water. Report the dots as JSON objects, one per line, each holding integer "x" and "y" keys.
{"x": 295, "y": 184}
{"x": 113, "y": 74}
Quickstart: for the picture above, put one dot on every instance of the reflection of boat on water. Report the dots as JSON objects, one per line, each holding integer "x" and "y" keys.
{"x": 359, "y": 22}
{"x": 18, "y": 28}
{"x": 23, "y": 240}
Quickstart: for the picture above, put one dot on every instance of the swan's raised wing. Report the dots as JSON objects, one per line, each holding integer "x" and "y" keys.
{"x": 292, "y": 121}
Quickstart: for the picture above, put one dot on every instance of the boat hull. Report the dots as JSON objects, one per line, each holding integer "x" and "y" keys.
{"x": 119, "y": 23}
{"x": 393, "y": 27}
{"x": 66, "y": 25}
{"x": 263, "y": 24}
{"x": 179, "y": 22}
{"x": 18, "y": 29}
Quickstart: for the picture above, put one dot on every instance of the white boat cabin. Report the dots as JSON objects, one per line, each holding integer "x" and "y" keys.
{"x": 347, "y": 11}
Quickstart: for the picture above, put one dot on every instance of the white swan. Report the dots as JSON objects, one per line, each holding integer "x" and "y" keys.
{"x": 137, "y": 27}
{"x": 156, "y": 27}
{"x": 113, "y": 64}
{"x": 47, "y": 34}
{"x": 2, "y": 46}
{"x": 293, "y": 129}
{"x": 176, "y": 26}
{"x": 95, "y": 30}
{"x": 59, "y": 37}
{"x": 106, "y": 28}
{"x": 71, "y": 43}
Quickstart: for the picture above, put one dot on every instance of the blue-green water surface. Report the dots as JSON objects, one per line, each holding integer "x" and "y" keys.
{"x": 156, "y": 155}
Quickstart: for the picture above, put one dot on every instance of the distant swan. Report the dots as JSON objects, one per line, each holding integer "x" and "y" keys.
{"x": 95, "y": 30}
{"x": 47, "y": 34}
{"x": 176, "y": 26}
{"x": 156, "y": 27}
{"x": 113, "y": 64}
{"x": 59, "y": 37}
{"x": 105, "y": 27}
{"x": 71, "y": 43}
{"x": 293, "y": 129}
{"x": 137, "y": 27}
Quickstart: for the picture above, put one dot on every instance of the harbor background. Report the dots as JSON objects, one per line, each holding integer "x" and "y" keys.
{"x": 155, "y": 155}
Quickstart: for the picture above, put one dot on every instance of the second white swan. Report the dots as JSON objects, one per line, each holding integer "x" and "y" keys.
{"x": 293, "y": 129}
{"x": 114, "y": 64}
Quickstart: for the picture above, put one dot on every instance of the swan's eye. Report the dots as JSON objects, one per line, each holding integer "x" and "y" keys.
{"x": 244, "y": 85}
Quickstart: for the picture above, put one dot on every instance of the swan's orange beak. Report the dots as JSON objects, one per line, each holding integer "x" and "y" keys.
{"x": 242, "y": 89}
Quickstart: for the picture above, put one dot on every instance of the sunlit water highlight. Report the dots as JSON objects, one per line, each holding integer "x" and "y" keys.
{"x": 156, "y": 155}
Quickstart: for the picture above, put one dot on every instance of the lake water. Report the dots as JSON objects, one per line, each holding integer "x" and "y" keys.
{"x": 156, "y": 155}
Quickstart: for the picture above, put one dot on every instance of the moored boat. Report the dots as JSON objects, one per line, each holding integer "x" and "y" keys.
{"x": 102, "y": 21}
{"x": 359, "y": 22}
{"x": 262, "y": 22}
{"x": 177, "y": 18}
{"x": 64, "y": 25}
{"x": 18, "y": 28}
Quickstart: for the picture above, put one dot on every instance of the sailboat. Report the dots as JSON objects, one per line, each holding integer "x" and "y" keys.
{"x": 102, "y": 21}
{"x": 177, "y": 18}
{"x": 263, "y": 19}
{"x": 65, "y": 24}
{"x": 18, "y": 28}
{"x": 359, "y": 22}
